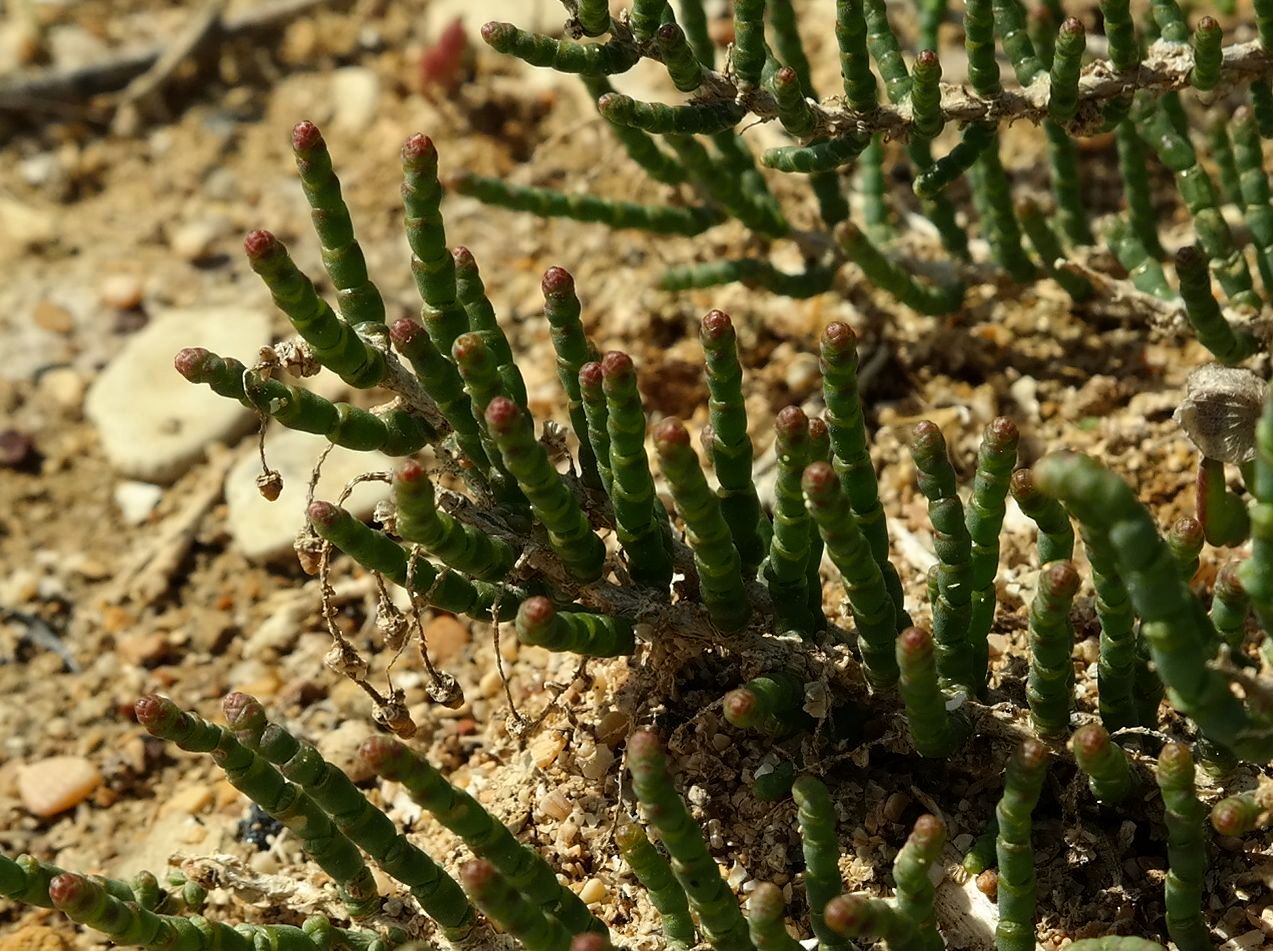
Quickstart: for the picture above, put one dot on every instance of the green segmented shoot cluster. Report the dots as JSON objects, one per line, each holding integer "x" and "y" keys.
{"x": 282, "y": 800}
{"x": 864, "y": 584}
{"x": 720, "y": 576}
{"x": 1176, "y": 630}
{"x": 1108, "y": 772}
{"x": 1050, "y": 688}
{"x": 442, "y": 588}
{"x": 1186, "y": 850}
{"x": 731, "y": 449}
{"x": 640, "y": 519}
{"x": 952, "y": 609}
{"x": 520, "y": 865}
{"x": 822, "y": 882}
{"x": 718, "y": 913}
{"x": 1022, "y": 784}
{"x": 935, "y": 731}
{"x": 770, "y": 704}
{"x": 590, "y": 635}
{"x": 655, "y": 874}
{"x": 581, "y": 551}
{"x": 526, "y": 543}
{"x": 365, "y": 825}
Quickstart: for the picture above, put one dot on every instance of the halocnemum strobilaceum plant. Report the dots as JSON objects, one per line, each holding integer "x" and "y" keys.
{"x": 565, "y": 533}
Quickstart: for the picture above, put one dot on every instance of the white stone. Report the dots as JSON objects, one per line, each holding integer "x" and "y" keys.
{"x": 265, "y": 530}
{"x": 153, "y": 423}
{"x": 136, "y": 500}
{"x": 355, "y": 92}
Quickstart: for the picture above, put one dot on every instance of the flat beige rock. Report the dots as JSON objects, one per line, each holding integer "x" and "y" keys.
{"x": 56, "y": 784}
{"x": 154, "y": 425}
{"x": 263, "y": 530}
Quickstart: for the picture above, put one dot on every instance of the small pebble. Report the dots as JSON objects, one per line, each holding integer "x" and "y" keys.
{"x": 64, "y": 386}
{"x": 53, "y": 785}
{"x": 193, "y": 241}
{"x": 17, "y": 449}
{"x": 554, "y": 805}
{"x": 136, "y": 500}
{"x": 447, "y": 638}
{"x": 593, "y": 891}
{"x": 546, "y": 747}
{"x": 189, "y": 801}
{"x": 49, "y": 316}
{"x": 120, "y": 291}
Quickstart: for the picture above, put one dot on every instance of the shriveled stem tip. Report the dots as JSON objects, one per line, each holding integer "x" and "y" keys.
{"x": 818, "y": 478}
{"x": 671, "y": 432}
{"x": 716, "y": 325}
{"x": 260, "y": 243}
{"x": 557, "y": 281}
{"x": 502, "y": 414}
{"x": 418, "y": 149}
{"x": 839, "y": 336}
{"x": 323, "y": 513}
{"x": 615, "y": 364}
{"x": 792, "y": 421}
{"x": 190, "y": 363}
{"x": 306, "y": 136}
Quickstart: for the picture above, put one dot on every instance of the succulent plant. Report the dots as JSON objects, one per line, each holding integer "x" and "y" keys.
{"x": 566, "y": 535}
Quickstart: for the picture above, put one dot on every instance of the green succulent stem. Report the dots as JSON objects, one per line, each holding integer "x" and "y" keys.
{"x": 335, "y": 343}
{"x": 500, "y": 901}
{"x": 692, "y": 864}
{"x": 816, "y": 817}
{"x": 540, "y": 624}
{"x": 360, "y": 302}
{"x": 489, "y": 838}
{"x": 442, "y": 588}
{"x": 570, "y": 535}
{"x": 996, "y": 457}
{"x": 852, "y": 460}
{"x": 935, "y": 731}
{"x": 864, "y": 584}
{"x": 1050, "y": 689}
{"x": 1023, "y": 782}
{"x": 771, "y": 704}
{"x": 655, "y": 875}
{"x": 1108, "y": 773}
{"x": 459, "y": 545}
{"x": 366, "y": 826}
{"x": 911, "y": 868}
{"x": 614, "y": 213}
{"x": 641, "y": 522}
{"x": 764, "y": 920}
{"x": 263, "y": 784}
{"x": 731, "y": 448}
{"x": 720, "y": 575}
{"x": 563, "y": 56}
{"x": 1185, "y": 816}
